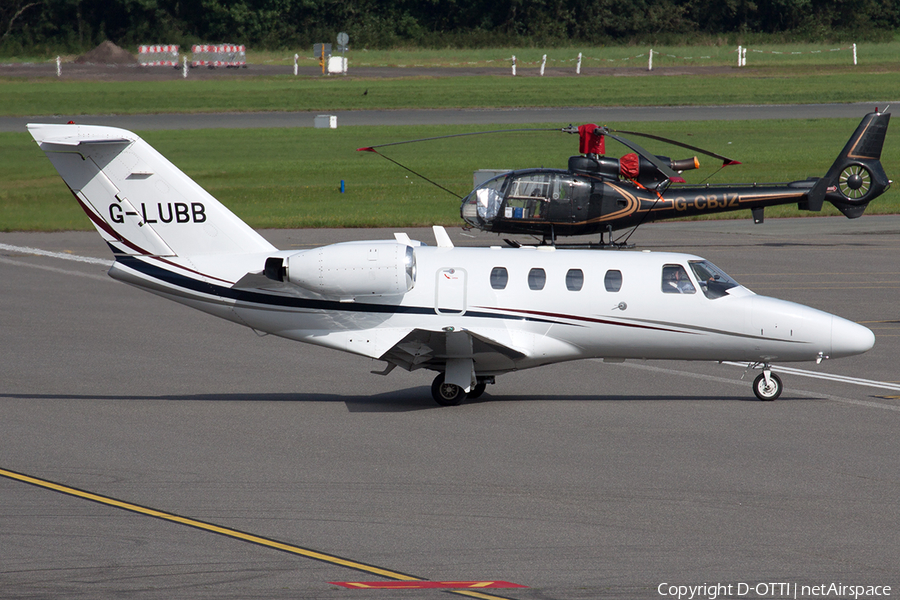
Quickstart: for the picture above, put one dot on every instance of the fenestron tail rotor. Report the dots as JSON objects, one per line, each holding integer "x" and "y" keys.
{"x": 855, "y": 182}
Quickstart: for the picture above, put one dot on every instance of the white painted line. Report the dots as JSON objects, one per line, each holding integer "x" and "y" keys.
{"x": 62, "y": 255}
{"x": 743, "y": 383}
{"x": 19, "y": 263}
{"x": 828, "y": 376}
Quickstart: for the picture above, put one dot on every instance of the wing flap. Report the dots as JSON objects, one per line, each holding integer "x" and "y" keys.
{"x": 422, "y": 348}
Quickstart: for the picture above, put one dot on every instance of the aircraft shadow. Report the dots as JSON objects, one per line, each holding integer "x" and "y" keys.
{"x": 399, "y": 401}
{"x": 406, "y": 400}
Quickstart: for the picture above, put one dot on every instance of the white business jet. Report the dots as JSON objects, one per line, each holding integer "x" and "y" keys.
{"x": 469, "y": 314}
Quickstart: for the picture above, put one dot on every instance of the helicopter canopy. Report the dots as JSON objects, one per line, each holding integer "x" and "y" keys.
{"x": 535, "y": 195}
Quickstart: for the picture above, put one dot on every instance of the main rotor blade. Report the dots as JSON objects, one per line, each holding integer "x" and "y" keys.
{"x": 416, "y": 173}
{"x": 443, "y": 137}
{"x": 663, "y": 168}
{"x": 725, "y": 160}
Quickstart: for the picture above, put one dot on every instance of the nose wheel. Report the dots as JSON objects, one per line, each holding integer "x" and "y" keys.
{"x": 767, "y": 386}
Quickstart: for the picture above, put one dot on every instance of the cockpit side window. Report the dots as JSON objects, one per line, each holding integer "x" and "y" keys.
{"x": 527, "y": 196}
{"x": 675, "y": 280}
{"x": 531, "y": 186}
{"x": 714, "y": 282}
{"x": 569, "y": 188}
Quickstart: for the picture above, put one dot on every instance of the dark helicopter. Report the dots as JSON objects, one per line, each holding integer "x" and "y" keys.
{"x": 601, "y": 194}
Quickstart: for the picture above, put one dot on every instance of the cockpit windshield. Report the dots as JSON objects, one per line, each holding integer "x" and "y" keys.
{"x": 714, "y": 282}
{"x": 528, "y": 195}
{"x": 483, "y": 203}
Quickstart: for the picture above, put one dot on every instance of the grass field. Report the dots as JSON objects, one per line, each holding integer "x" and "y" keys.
{"x": 276, "y": 178}
{"x": 775, "y": 75}
{"x": 20, "y": 97}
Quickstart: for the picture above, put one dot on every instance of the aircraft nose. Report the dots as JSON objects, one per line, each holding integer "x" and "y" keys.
{"x": 849, "y": 338}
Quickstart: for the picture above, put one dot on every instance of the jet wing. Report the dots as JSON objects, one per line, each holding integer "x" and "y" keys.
{"x": 422, "y": 348}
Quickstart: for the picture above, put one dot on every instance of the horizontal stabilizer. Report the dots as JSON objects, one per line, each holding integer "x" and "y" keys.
{"x": 74, "y": 141}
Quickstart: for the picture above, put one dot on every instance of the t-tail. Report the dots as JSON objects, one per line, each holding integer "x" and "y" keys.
{"x": 141, "y": 203}
{"x": 856, "y": 177}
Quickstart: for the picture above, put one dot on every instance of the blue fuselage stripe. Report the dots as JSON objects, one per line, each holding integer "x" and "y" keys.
{"x": 261, "y": 298}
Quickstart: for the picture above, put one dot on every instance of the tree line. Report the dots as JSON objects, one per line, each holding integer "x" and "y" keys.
{"x": 76, "y": 25}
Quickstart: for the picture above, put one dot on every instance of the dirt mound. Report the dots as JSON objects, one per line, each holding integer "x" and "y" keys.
{"x": 107, "y": 53}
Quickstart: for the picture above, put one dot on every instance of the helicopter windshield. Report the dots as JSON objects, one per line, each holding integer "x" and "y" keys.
{"x": 483, "y": 203}
{"x": 714, "y": 282}
{"x": 538, "y": 195}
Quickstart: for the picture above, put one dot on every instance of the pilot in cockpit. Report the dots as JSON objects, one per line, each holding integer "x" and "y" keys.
{"x": 676, "y": 281}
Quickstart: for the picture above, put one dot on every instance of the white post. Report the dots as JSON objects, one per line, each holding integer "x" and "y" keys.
{"x": 543, "y": 63}
{"x": 739, "y": 56}
{"x": 744, "y": 58}
{"x": 58, "y": 67}
{"x": 578, "y": 68}
{"x": 296, "y": 57}
{"x": 184, "y": 67}
{"x": 854, "y": 55}
{"x": 650, "y": 64}
{"x": 514, "y": 65}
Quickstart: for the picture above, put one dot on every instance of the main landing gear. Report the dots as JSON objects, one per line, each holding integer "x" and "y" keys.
{"x": 767, "y": 386}
{"x": 450, "y": 394}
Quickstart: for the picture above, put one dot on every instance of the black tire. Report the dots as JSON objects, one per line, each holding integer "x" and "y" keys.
{"x": 477, "y": 391}
{"x": 446, "y": 394}
{"x": 770, "y": 392}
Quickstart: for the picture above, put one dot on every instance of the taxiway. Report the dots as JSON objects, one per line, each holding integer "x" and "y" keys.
{"x": 582, "y": 480}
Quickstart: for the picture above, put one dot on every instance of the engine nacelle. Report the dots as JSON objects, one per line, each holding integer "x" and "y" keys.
{"x": 349, "y": 270}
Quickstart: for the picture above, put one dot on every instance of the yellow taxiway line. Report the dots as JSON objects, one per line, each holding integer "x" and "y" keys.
{"x": 229, "y": 532}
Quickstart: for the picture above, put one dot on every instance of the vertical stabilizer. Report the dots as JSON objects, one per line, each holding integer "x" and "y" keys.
{"x": 857, "y": 176}
{"x": 141, "y": 203}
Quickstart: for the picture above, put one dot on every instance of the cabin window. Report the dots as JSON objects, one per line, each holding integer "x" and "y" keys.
{"x": 536, "y": 279}
{"x": 574, "y": 280}
{"x": 675, "y": 280}
{"x": 499, "y": 278}
{"x": 613, "y": 280}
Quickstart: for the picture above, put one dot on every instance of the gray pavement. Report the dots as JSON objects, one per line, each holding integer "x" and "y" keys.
{"x": 582, "y": 480}
{"x": 511, "y": 116}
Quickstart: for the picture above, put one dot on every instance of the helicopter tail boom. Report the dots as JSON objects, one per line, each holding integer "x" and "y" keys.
{"x": 856, "y": 177}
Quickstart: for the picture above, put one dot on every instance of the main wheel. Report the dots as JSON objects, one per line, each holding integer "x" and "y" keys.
{"x": 446, "y": 394}
{"x": 476, "y": 391}
{"x": 767, "y": 392}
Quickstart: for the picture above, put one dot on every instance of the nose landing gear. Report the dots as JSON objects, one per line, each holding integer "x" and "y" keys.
{"x": 767, "y": 386}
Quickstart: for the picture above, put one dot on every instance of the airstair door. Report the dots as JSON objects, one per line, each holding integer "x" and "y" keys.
{"x": 450, "y": 291}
